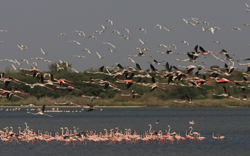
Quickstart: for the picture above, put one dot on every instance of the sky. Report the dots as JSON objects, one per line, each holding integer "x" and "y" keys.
{"x": 36, "y": 24}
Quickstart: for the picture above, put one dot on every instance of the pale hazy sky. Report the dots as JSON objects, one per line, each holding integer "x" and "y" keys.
{"x": 37, "y": 24}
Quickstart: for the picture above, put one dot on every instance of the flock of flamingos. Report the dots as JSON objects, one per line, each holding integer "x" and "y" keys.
{"x": 171, "y": 75}
{"x": 113, "y": 136}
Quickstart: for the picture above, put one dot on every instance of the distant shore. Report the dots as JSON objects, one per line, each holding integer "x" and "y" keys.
{"x": 207, "y": 103}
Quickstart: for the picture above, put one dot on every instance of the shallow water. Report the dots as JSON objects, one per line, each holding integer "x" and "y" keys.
{"x": 231, "y": 122}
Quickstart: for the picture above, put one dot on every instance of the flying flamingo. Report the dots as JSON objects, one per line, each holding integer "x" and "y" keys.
{"x": 41, "y": 112}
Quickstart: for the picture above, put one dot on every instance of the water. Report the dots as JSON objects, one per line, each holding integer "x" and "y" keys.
{"x": 231, "y": 122}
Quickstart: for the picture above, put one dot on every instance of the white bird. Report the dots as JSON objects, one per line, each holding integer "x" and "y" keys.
{"x": 109, "y": 44}
{"x": 104, "y": 27}
{"x": 46, "y": 61}
{"x": 127, "y": 38}
{"x": 44, "y": 53}
{"x": 97, "y": 31}
{"x": 116, "y": 31}
{"x": 162, "y": 45}
{"x": 129, "y": 58}
{"x": 143, "y": 30}
{"x": 167, "y": 28}
{"x": 195, "y": 20}
{"x": 111, "y": 22}
{"x": 142, "y": 41}
{"x": 216, "y": 28}
{"x": 74, "y": 70}
{"x": 248, "y": 10}
{"x": 99, "y": 56}
{"x": 24, "y": 60}
{"x": 111, "y": 50}
{"x": 74, "y": 41}
{"x": 205, "y": 22}
{"x": 80, "y": 33}
{"x": 204, "y": 29}
{"x": 79, "y": 56}
{"x": 60, "y": 34}
{"x": 137, "y": 48}
{"x": 218, "y": 42}
{"x": 173, "y": 45}
{"x": 86, "y": 49}
{"x": 34, "y": 64}
{"x": 158, "y": 25}
{"x": 185, "y": 42}
{"x": 191, "y": 122}
{"x": 211, "y": 29}
{"x": 189, "y": 23}
{"x": 92, "y": 37}
{"x": 37, "y": 58}
{"x": 14, "y": 67}
{"x": 126, "y": 29}
{"x": 22, "y": 47}
{"x": 235, "y": 28}
{"x": 58, "y": 67}
{"x": 247, "y": 5}
{"x": 3, "y": 30}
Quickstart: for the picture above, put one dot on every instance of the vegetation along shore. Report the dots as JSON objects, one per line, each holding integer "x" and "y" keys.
{"x": 100, "y": 88}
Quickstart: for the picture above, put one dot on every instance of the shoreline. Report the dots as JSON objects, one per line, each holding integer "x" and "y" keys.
{"x": 122, "y": 107}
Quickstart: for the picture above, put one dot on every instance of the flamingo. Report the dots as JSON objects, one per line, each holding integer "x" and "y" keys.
{"x": 142, "y": 29}
{"x": 168, "y": 29}
{"x": 199, "y": 138}
{"x": 61, "y": 34}
{"x": 99, "y": 56}
{"x": 221, "y": 137}
{"x": 41, "y": 112}
{"x": 215, "y": 138}
{"x": 194, "y": 133}
{"x": 191, "y": 122}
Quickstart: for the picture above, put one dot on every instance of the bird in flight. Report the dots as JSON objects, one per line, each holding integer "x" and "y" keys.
{"x": 158, "y": 25}
{"x": 218, "y": 42}
{"x": 86, "y": 49}
{"x": 247, "y": 6}
{"x": 126, "y": 29}
{"x": 109, "y": 44}
{"x": 22, "y": 47}
{"x": 235, "y": 28}
{"x": 111, "y": 22}
{"x": 143, "y": 30}
{"x": 61, "y": 34}
{"x": 74, "y": 41}
{"x": 92, "y": 37}
{"x": 79, "y": 56}
{"x": 116, "y": 32}
{"x": 189, "y": 23}
{"x": 41, "y": 112}
{"x": 185, "y": 42}
{"x": 167, "y": 28}
{"x": 162, "y": 45}
{"x": 99, "y": 56}
{"x": 142, "y": 42}
{"x": 44, "y": 53}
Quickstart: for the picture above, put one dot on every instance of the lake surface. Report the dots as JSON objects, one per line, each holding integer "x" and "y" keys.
{"x": 233, "y": 123}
